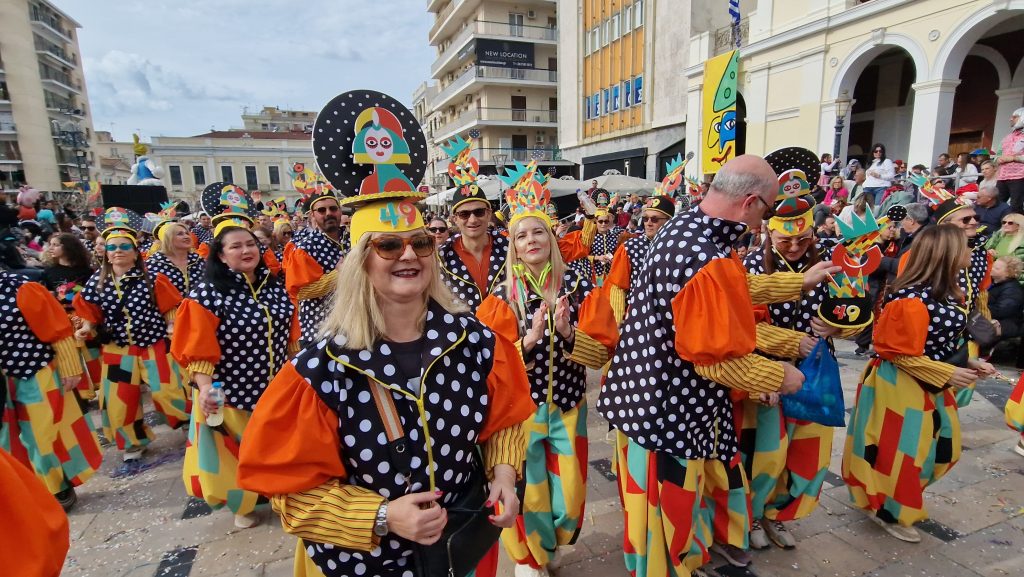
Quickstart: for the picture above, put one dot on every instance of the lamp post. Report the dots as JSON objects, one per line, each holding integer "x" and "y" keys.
{"x": 842, "y": 108}
{"x": 499, "y": 168}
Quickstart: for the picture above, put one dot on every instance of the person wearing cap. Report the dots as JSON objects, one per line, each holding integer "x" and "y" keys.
{"x": 238, "y": 327}
{"x": 602, "y": 245}
{"x": 538, "y": 306}
{"x": 134, "y": 312}
{"x": 174, "y": 257}
{"x": 1010, "y": 161}
{"x": 694, "y": 317}
{"x": 44, "y": 426}
{"x": 904, "y": 430}
{"x": 629, "y": 256}
{"x": 787, "y": 459}
{"x": 311, "y": 267}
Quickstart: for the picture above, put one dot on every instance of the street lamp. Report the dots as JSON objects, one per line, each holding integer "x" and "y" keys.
{"x": 842, "y": 107}
{"x": 499, "y": 167}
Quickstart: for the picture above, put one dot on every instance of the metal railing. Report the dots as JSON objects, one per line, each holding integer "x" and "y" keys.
{"x": 443, "y": 15}
{"x": 51, "y": 22}
{"x": 550, "y": 154}
{"x": 526, "y": 32}
{"x": 496, "y": 73}
{"x": 490, "y": 114}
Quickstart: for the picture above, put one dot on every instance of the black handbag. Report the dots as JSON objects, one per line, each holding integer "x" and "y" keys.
{"x": 982, "y": 331}
{"x": 468, "y": 535}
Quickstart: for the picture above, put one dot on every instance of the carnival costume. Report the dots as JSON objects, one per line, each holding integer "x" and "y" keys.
{"x": 132, "y": 314}
{"x": 329, "y": 478}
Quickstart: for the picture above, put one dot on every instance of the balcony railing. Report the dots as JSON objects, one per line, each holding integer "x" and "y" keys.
{"x": 504, "y": 115}
{"x": 495, "y": 73}
{"x": 443, "y": 15}
{"x": 52, "y": 23}
{"x": 499, "y": 29}
{"x": 8, "y": 127}
{"x": 61, "y": 56}
{"x": 551, "y": 154}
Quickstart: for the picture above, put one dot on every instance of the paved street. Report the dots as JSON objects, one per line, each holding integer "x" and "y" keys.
{"x": 144, "y": 525}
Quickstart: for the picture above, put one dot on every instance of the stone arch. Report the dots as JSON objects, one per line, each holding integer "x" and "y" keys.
{"x": 960, "y": 40}
{"x": 859, "y": 58}
{"x": 1018, "y": 75}
{"x": 997, "y": 60}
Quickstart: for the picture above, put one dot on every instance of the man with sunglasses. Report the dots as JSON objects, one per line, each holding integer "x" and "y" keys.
{"x": 629, "y": 257}
{"x": 89, "y": 232}
{"x": 311, "y": 267}
{"x": 438, "y": 228}
{"x": 473, "y": 262}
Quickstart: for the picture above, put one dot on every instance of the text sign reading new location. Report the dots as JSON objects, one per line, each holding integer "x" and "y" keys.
{"x": 504, "y": 54}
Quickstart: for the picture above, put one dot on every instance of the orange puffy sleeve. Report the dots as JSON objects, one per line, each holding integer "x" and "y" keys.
{"x": 276, "y": 458}
{"x": 903, "y": 262}
{"x": 195, "y": 239}
{"x": 167, "y": 295}
{"x": 270, "y": 259}
{"x": 901, "y": 329}
{"x": 43, "y": 313}
{"x": 195, "y": 336}
{"x": 596, "y": 319}
{"x": 509, "y": 390}
{"x": 203, "y": 250}
{"x": 302, "y": 270}
{"x": 572, "y": 247}
{"x": 295, "y": 332}
{"x": 619, "y": 274}
{"x": 987, "y": 281}
{"x": 35, "y": 529}
{"x": 85, "y": 309}
{"x": 499, "y": 317}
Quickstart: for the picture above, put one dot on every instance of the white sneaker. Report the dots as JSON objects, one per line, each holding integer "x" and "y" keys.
{"x": 908, "y": 534}
{"x": 1019, "y": 449}
{"x": 523, "y": 570}
{"x": 779, "y": 535}
{"x": 134, "y": 454}
{"x": 758, "y": 540}
{"x": 247, "y": 521}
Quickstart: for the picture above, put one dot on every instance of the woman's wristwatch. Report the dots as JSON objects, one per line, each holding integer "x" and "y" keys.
{"x": 380, "y": 524}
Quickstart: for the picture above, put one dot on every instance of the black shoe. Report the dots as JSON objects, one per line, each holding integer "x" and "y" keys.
{"x": 67, "y": 498}
{"x": 861, "y": 351}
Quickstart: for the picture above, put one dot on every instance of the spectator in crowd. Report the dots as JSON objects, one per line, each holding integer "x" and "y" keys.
{"x": 68, "y": 262}
{"x": 1011, "y": 163}
{"x": 859, "y": 207}
{"x": 944, "y": 165}
{"x": 965, "y": 169}
{"x": 856, "y": 186}
{"x": 879, "y": 174}
{"x": 895, "y": 196}
{"x": 851, "y": 169}
{"x": 828, "y": 168}
{"x": 1006, "y": 296}
{"x": 901, "y": 171}
{"x": 836, "y": 190}
{"x": 264, "y": 236}
{"x": 989, "y": 208}
{"x": 1009, "y": 239}
{"x": 828, "y": 228}
{"x": 988, "y": 174}
{"x": 438, "y": 228}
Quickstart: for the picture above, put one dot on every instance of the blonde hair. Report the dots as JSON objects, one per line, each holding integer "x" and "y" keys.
{"x": 164, "y": 238}
{"x": 1017, "y": 239}
{"x": 1014, "y": 266}
{"x": 558, "y": 267}
{"x": 935, "y": 261}
{"x": 355, "y": 312}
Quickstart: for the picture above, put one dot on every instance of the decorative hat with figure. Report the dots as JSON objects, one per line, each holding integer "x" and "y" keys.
{"x": 360, "y": 140}
{"x": 528, "y": 194}
{"x": 943, "y": 202}
{"x": 312, "y": 187}
{"x": 463, "y": 169}
{"x": 797, "y": 168}
{"x": 168, "y": 213}
{"x": 663, "y": 199}
{"x": 117, "y": 221}
{"x": 848, "y": 303}
{"x": 228, "y": 205}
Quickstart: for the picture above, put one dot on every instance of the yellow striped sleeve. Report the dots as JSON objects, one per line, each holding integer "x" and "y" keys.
{"x": 69, "y": 362}
{"x": 335, "y": 513}
{"x": 204, "y": 367}
{"x": 774, "y": 288}
{"x": 587, "y": 351}
{"x": 294, "y": 347}
{"x": 982, "y": 306}
{"x": 505, "y": 447}
{"x": 171, "y": 315}
{"x": 751, "y": 373}
{"x": 617, "y": 299}
{"x": 935, "y": 373}
{"x": 322, "y": 287}
{"x": 778, "y": 342}
{"x": 588, "y": 231}
{"x": 850, "y": 333}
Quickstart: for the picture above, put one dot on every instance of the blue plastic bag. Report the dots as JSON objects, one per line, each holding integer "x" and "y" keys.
{"x": 821, "y": 398}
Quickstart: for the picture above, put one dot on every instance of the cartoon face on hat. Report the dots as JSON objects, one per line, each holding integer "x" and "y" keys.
{"x": 233, "y": 199}
{"x": 792, "y": 183}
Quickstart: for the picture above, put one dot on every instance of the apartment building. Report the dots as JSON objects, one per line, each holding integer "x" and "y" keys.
{"x": 45, "y": 124}
{"x": 273, "y": 119}
{"x": 497, "y": 80}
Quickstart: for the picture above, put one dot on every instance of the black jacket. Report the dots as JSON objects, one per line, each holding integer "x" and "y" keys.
{"x": 1006, "y": 302}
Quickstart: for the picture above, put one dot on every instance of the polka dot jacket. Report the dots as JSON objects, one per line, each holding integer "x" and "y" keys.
{"x": 456, "y": 274}
{"x": 974, "y": 279}
{"x": 203, "y": 235}
{"x": 548, "y": 365}
{"x": 22, "y": 353}
{"x": 158, "y": 262}
{"x": 793, "y": 315}
{"x": 253, "y": 326}
{"x": 946, "y": 324}
{"x": 129, "y": 311}
{"x": 457, "y": 357}
{"x": 651, "y": 394}
{"x": 327, "y": 253}
{"x": 636, "y": 251}
{"x": 604, "y": 243}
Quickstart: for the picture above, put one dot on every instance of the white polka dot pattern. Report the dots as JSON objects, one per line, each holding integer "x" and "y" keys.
{"x": 456, "y": 274}
{"x": 203, "y": 235}
{"x": 327, "y": 253}
{"x": 970, "y": 279}
{"x": 637, "y": 249}
{"x": 795, "y": 315}
{"x": 458, "y": 350}
{"x": 245, "y": 365}
{"x": 159, "y": 263}
{"x": 22, "y": 354}
{"x": 946, "y": 326}
{"x": 651, "y": 394}
{"x": 130, "y": 316}
{"x": 569, "y": 379}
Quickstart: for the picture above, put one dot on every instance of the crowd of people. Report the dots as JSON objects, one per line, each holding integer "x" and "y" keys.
{"x": 407, "y": 389}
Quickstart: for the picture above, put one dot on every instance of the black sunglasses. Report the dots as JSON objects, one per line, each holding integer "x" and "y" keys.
{"x": 652, "y": 218}
{"x": 1007, "y": 222}
{"x": 437, "y": 229}
{"x": 769, "y": 210}
{"x": 393, "y": 247}
{"x": 968, "y": 219}
{"x": 477, "y": 212}
{"x": 326, "y": 209}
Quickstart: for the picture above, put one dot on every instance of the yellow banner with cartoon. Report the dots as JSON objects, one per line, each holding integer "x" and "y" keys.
{"x": 719, "y": 111}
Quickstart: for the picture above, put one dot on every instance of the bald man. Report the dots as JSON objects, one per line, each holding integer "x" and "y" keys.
{"x": 688, "y": 338}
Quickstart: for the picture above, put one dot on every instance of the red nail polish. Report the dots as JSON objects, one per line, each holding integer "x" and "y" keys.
{"x": 487, "y": 504}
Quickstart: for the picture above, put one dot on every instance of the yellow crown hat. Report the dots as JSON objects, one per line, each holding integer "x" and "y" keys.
{"x": 528, "y": 194}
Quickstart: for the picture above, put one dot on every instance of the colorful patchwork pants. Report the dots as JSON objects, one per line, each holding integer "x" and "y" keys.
{"x": 211, "y": 461}
{"x": 556, "y": 485}
{"x": 43, "y": 428}
{"x": 901, "y": 438}
{"x": 123, "y": 372}
{"x": 725, "y": 503}
{"x": 785, "y": 460}
{"x": 665, "y": 533}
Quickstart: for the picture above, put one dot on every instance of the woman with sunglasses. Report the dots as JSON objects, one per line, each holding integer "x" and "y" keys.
{"x": 904, "y": 431}
{"x": 1009, "y": 239}
{"x": 282, "y": 238}
{"x": 438, "y": 228}
{"x": 133, "y": 311}
{"x": 236, "y": 327}
{"x": 879, "y": 174}
{"x": 539, "y": 305}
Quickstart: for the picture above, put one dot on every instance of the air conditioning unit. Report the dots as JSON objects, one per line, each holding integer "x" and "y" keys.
{"x": 531, "y": 15}
{"x": 540, "y": 138}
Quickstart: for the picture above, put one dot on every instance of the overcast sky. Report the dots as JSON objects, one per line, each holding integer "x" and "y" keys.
{"x": 179, "y": 67}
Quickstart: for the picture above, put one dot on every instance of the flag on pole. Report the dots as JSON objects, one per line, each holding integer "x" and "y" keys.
{"x": 734, "y": 12}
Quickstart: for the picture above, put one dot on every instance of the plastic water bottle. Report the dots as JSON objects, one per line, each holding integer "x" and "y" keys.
{"x": 217, "y": 394}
